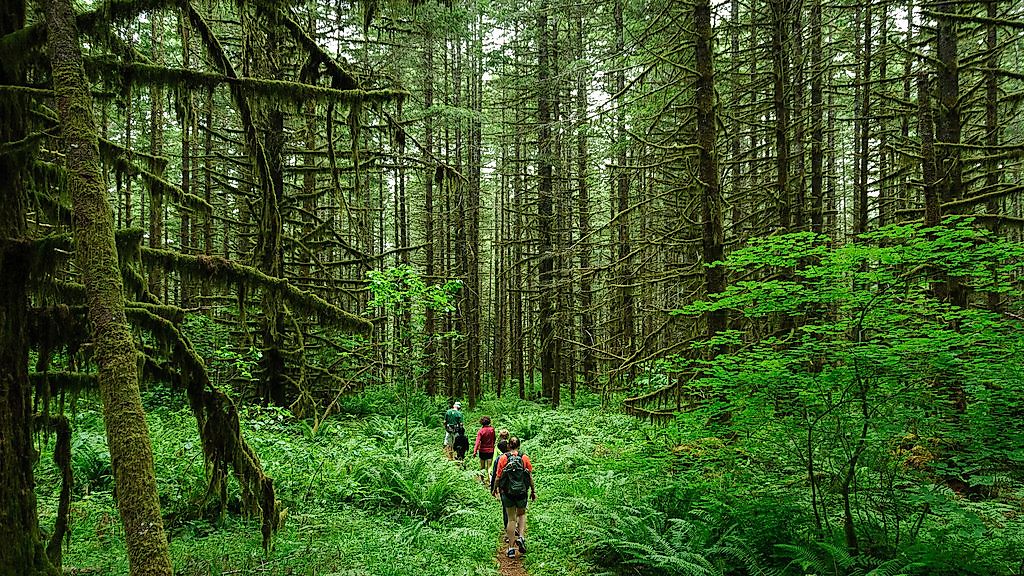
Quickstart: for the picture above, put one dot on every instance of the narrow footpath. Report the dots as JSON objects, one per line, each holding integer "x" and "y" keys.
{"x": 509, "y": 566}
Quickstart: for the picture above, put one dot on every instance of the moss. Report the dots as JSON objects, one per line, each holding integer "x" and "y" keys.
{"x": 119, "y": 158}
{"x": 261, "y": 88}
{"x": 112, "y": 344}
{"x": 70, "y": 383}
{"x": 218, "y": 423}
{"x": 58, "y": 424}
{"x": 224, "y": 272}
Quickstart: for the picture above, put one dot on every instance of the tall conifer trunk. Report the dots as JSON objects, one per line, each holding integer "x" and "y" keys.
{"x": 21, "y": 553}
{"x": 712, "y": 239}
{"x": 127, "y": 434}
{"x": 545, "y": 214}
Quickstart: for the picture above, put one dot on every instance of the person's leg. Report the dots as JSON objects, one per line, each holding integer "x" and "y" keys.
{"x": 521, "y": 522}
{"x": 510, "y": 525}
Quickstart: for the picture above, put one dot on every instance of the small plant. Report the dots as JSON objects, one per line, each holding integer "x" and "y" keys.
{"x": 419, "y": 484}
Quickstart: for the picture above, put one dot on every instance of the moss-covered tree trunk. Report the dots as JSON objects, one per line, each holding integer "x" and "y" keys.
{"x": 127, "y": 434}
{"x": 22, "y": 552}
{"x": 21, "y": 549}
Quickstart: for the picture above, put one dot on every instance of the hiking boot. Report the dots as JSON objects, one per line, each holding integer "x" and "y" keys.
{"x": 511, "y": 553}
{"x": 521, "y": 544}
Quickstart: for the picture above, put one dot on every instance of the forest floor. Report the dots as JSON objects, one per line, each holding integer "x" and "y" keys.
{"x": 615, "y": 495}
{"x": 509, "y": 566}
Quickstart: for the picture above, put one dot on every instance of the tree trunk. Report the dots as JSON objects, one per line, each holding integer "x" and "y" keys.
{"x": 817, "y": 71}
{"x": 626, "y": 321}
{"x": 156, "y": 138}
{"x": 428, "y": 210}
{"x": 588, "y": 329}
{"x": 22, "y": 552}
{"x": 712, "y": 238}
{"x": 545, "y": 211}
{"x": 780, "y": 15}
{"x": 127, "y": 434}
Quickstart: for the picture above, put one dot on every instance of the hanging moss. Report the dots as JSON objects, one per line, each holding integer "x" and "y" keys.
{"x": 27, "y": 41}
{"x": 53, "y": 328}
{"x": 119, "y": 157}
{"x": 62, "y": 460}
{"x": 219, "y": 427}
{"x": 268, "y": 90}
{"x": 341, "y": 78}
{"x": 24, "y": 147}
{"x": 223, "y": 272}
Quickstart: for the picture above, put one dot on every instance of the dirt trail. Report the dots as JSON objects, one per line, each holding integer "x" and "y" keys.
{"x": 509, "y": 566}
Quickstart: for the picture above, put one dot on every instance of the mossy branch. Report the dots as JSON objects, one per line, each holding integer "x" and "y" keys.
{"x": 68, "y": 382}
{"x": 226, "y": 272}
{"x": 120, "y": 158}
{"x": 275, "y": 90}
{"x": 218, "y": 423}
{"x": 23, "y": 43}
{"x": 62, "y": 460}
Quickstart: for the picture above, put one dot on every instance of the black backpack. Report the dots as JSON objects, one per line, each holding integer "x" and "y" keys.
{"x": 515, "y": 478}
{"x": 461, "y": 443}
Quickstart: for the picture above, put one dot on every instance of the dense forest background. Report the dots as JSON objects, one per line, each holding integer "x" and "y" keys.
{"x": 783, "y": 236}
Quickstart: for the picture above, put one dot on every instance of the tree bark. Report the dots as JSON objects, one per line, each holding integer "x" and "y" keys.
{"x": 545, "y": 213}
{"x": 817, "y": 172}
{"x": 588, "y": 330}
{"x": 127, "y": 434}
{"x": 22, "y": 552}
{"x": 780, "y": 70}
{"x": 712, "y": 238}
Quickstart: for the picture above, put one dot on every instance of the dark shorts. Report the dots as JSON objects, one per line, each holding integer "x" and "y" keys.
{"x": 510, "y": 502}
{"x": 486, "y": 455}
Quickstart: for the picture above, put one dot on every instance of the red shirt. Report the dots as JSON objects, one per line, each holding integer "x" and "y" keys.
{"x": 484, "y": 440}
{"x": 504, "y": 460}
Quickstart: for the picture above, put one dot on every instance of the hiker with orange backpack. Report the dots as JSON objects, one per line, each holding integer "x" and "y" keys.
{"x": 514, "y": 481}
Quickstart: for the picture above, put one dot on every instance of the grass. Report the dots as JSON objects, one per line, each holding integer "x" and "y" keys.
{"x": 616, "y": 496}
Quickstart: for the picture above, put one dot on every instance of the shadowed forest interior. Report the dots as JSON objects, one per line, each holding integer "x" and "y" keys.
{"x": 745, "y": 277}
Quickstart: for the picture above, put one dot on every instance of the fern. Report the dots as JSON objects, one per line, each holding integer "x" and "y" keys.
{"x": 648, "y": 540}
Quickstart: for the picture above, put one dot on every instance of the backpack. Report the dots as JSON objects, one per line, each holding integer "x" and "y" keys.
{"x": 461, "y": 443}
{"x": 515, "y": 478}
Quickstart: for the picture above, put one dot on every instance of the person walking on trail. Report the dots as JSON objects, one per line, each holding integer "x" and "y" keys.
{"x": 452, "y": 420}
{"x": 514, "y": 480}
{"x": 484, "y": 446}
{"x": 502, "y": 448}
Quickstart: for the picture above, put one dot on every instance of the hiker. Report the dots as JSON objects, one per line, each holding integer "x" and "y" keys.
{"x": 452, "y": 418}
{"x": 461, "y": 443}
{"x": 502, "y": 448}
{"x": 514, "y": 480}
{"x": 484, "y": 446}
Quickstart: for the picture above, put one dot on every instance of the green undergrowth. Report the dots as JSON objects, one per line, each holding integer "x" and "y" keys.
{"x": 616, "y": 496}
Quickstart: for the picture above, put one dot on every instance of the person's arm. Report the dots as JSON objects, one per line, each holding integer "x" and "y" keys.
{"x": 499, "y": 467}
{"x": 529, "y": 466}
{"x": 476, "y": 445}
{"x": 494, "y": 471}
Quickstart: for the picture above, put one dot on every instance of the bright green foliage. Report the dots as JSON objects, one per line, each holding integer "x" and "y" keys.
{"x": 404, "y": 298}
{"x": 863, "y": 378}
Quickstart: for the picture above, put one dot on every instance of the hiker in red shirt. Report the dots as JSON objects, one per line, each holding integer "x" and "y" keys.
{"x": 514, "y": 479}
{"x": 484, "y": 447}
